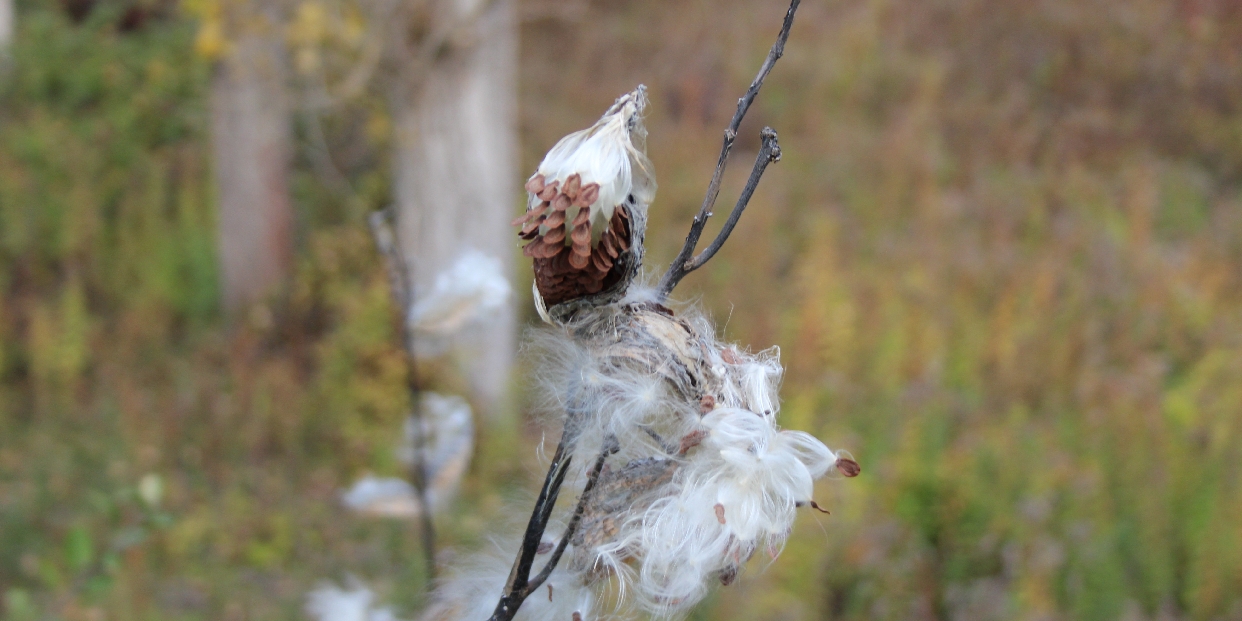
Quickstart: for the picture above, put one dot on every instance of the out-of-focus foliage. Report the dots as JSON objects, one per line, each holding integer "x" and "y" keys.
{"x": 116, "y": 370}
{"x": 1000, "y": 254}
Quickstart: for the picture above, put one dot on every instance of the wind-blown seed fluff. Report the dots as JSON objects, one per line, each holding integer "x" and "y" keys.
{"x": 611, "y": 153}
{"x": 705, "y": 476}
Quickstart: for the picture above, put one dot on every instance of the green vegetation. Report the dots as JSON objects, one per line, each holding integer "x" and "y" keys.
{"x": 1000, "y": 255}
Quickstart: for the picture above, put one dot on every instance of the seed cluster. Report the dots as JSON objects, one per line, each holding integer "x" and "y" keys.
{"x": 570, "y": 261}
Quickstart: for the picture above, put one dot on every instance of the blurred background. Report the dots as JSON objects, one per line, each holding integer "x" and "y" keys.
{"x": 1000, "y": 255}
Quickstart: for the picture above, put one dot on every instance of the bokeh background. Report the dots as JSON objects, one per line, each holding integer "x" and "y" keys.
{"x": 1000, "y": 254}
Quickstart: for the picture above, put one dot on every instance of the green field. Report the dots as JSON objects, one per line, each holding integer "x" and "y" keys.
{"x": 1002, "y": 257}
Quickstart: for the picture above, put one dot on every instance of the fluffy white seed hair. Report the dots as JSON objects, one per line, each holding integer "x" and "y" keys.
{"x": 607, "y": 398}
{"x": 472, "y": 590}
{"x": 471, "y": 288}
{"x": 383, "y": 497}
{"x": 611, "y": 153}
{"x": 736, "y": 493}
{"x": 447, "y": 437}
{"x": 724, "y": 479}
{"x": 331, "y": 603}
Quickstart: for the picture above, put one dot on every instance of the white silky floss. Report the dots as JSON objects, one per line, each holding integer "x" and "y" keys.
{"x": 734, "y": 493}
{"x": 606, "y": 153}
{"x": 472, "y": 288}
{"x": 383, "y": 497}
{"x": 471, "y": 591}
{"x": 447, "y": 437}
{"x": 329, "y": 603}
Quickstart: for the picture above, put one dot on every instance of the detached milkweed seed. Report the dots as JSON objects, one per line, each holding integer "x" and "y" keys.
{"x": 707, "y": 403}
{"x": 534, "y": 185}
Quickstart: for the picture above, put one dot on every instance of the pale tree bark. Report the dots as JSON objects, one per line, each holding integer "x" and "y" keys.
{"x": 456, "y": 168}
{"x": 251, "y": 138}
{"x": 8, "y": 17}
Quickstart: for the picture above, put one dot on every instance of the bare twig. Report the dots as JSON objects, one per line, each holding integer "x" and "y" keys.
{"x": 610, "y": 448}
{"x": 520, "y": 585}
{"x": 684, "y": 264}
{"x": 402, "y": 290}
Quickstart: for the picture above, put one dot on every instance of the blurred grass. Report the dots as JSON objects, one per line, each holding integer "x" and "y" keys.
{"x": 1000, "y": 254}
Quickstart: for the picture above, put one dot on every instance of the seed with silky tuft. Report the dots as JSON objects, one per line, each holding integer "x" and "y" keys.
{"x": 848, "y": 467}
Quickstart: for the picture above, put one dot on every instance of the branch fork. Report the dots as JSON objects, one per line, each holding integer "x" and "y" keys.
{"x": 521, "y": 584}
{"x": 769, "y": 151}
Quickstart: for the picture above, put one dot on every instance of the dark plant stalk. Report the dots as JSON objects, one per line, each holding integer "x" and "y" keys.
{"x": 686, "y": 262}
{"x": 520, "y": 584}
{"x": 402, "y": 291}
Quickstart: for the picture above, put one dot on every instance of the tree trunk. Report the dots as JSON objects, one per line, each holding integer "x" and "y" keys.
{"x": 251, "y": 137}
{"x": 8, "y": 23}
{"x": 456, "y": 172}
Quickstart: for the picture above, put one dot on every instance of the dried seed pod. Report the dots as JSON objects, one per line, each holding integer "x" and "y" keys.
{"x": 566, "y": 264}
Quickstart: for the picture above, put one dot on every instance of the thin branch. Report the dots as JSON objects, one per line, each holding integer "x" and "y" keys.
{"x": 611, "y": 447}
{"x": 769, "y": 152}
{"x": 402, "y": 291}
{"x": 519, "y": 576}
{"x": 680, "y": 266}
{"x": 520, "y": 585}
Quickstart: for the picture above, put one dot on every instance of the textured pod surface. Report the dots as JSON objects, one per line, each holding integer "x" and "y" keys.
{"x": 568, "y": 264}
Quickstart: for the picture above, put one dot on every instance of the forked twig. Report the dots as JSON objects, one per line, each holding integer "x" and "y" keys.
{"x": 402, "y": 290}
{"x": 610, "y": 448}
{"x": 686, "y": 260}
{"x": 520, "y": 584}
